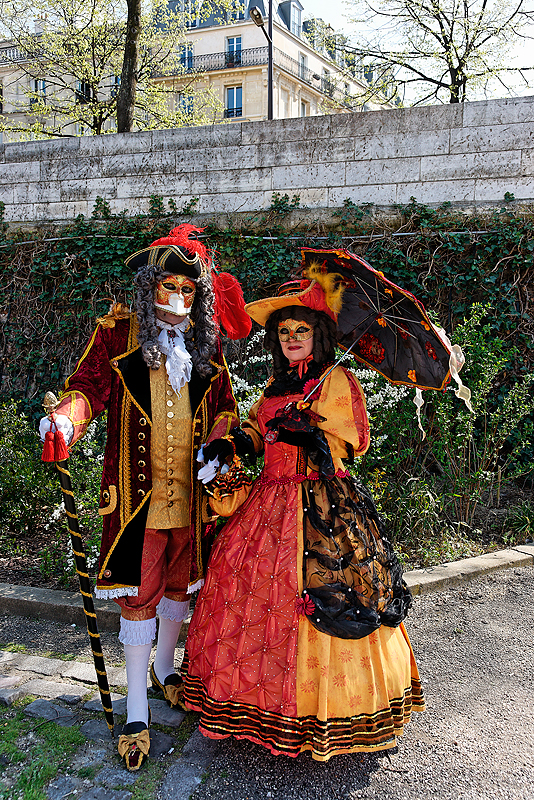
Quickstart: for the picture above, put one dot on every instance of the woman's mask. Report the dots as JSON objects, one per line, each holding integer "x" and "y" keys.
{"x": 175, "y": 294}
{"x": 294, "y": 330}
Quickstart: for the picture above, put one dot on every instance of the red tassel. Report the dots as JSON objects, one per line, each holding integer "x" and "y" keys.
{"x": 230, "y": 306}
{"x": 48, "y": 447}
{"x": 60, "y": 448}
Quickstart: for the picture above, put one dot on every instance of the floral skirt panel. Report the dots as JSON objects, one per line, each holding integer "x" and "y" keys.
{"x": 257, "y": 668}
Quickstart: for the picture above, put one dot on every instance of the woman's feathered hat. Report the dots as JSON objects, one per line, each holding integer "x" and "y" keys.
{"x": 181, "y": 253}
{"x": 319, "y": 290}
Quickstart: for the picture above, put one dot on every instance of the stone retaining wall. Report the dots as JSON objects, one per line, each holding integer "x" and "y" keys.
{"x": 470, "y": 154}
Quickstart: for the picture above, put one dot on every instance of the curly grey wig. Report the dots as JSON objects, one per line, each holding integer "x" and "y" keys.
{"x": 201, "y": 336}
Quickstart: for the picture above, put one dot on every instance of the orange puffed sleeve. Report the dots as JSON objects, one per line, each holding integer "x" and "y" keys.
{"x": 342, "y": 403}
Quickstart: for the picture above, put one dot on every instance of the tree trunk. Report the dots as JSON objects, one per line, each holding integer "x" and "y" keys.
{"x": 128, "y": 87}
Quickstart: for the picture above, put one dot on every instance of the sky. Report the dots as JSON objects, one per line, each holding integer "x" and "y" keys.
{"x": 334, "y": 12}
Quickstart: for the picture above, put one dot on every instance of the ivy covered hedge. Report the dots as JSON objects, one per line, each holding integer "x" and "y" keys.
{"x": 465, "y": 488}
{"x": 54, "y": 285}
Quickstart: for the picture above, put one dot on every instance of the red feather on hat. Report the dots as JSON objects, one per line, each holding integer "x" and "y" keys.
{"x": 230, "y": 306}
{"x": 181, "y": 237}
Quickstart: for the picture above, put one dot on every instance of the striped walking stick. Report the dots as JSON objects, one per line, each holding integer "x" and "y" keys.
{"x": 55, "y": 450}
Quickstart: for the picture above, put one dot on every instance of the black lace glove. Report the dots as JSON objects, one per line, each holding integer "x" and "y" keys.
{"x": 244, "y": 446}
{"x": 292, "y": 425}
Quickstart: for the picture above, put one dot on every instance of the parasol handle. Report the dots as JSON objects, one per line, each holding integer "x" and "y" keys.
{"x": 325, "y": 376}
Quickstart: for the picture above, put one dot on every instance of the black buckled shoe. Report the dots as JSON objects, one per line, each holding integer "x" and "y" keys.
{"x": 172, "y": 688}
{"x": 134, "y": 744}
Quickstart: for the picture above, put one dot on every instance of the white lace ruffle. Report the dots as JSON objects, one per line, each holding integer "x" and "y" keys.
{"x": 198, "y": 585}
{"x": 137, "y": 631}
{"x": 111, "y": 594}
{"x": 179, "y": 363}
{"x": 174, "y": 610}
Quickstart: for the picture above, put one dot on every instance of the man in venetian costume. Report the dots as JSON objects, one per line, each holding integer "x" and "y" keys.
{"x": 160, "y": 374}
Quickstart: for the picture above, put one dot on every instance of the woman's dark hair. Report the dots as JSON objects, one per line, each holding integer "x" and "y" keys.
{"x": 200, "y": 338}
{"x": 324, "y": 335}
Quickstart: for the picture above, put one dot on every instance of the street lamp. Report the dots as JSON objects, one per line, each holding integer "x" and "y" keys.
{"x": 257, "y": 18}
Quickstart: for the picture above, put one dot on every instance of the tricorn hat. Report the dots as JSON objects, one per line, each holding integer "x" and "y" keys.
{"x": 176, "y": 253}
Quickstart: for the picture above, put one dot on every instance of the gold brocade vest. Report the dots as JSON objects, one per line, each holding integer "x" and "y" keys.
{"x": 170, "y": 453}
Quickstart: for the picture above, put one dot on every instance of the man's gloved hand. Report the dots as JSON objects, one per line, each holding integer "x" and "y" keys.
{"x": 220, "y": 449}
{"x": 244, "y": 446}
{"x": 62, "y": 423}
{"x": 211, "y": 456}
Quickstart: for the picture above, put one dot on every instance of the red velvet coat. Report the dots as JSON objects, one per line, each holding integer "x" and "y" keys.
{"x": 112, "y": 375}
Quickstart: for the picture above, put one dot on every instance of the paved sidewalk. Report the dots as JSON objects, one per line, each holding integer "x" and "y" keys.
{"x": 473, "y": 640}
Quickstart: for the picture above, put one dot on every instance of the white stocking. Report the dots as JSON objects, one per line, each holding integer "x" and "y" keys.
{"x": 171, "y": 616}
{"x": 137, "y": 637}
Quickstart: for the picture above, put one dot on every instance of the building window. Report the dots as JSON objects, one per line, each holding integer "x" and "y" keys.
{"x": 115, "y": 86}
{"x": 238, "y": 11}
{"x": 187, "y": 7}
{"x": 303, "y": 66}
{"x": 39, "y": 88}
{"x": 303, "y": 109}
{"x": 185, "y": 103}
{"x": 233, "y": 51}
{"x": 296, "y": 21}
{"x": 327, "y": 84}
{"x": 234, "y": 101}
{"x": 1, "y": 98}
{"x": 83, "y": 92}
{"x": 186, "y": 56}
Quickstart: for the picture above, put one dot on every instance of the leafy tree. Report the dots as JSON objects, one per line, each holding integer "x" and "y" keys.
{"x": 442, "y": 50}
{"x": 101, "y": 67}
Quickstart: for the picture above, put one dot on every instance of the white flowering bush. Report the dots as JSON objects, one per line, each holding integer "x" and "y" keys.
{"x": 248, "y": 374}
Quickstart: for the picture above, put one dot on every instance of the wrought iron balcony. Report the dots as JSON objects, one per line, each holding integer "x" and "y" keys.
{"x": 215, "y": 61}
{"x": 257, "y": 56}
{"x": 233, "y": 112}
{"x": 295, "y": 68}
{"x": 14, "y": 53}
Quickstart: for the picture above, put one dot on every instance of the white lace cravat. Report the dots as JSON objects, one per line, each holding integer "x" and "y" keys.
{"x": 178, "y": 360}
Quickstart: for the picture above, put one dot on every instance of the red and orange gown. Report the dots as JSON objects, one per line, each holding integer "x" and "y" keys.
{"x": 297, "y": 641}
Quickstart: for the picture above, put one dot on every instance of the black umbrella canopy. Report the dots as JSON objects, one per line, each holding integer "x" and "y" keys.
{"x": 385, "y": 327}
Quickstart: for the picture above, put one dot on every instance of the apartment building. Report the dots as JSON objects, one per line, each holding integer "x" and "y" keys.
{"x": 311, "y": 75}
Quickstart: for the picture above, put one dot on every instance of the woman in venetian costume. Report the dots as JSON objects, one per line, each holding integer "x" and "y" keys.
{"x": 297, "y": 640}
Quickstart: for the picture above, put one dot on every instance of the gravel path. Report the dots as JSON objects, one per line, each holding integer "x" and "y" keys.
{"x": 474, "y": 646}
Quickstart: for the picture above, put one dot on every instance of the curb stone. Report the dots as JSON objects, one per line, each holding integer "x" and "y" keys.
{"x": 421, "y": 581}
{"x": 27, "y": 601}
{"x": 59, "y": 606}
